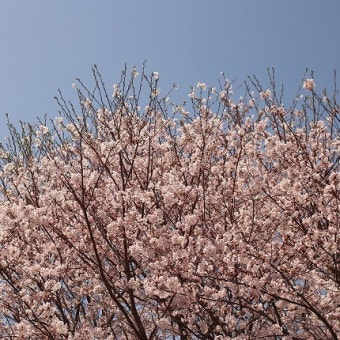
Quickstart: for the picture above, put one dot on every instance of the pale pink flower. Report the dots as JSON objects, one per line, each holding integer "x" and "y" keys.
{"x": 192, "y": 94}
{"x": 43, "y": 129}
{"x": 87, "y": 103}
{"x": 58, "y": 120}
{"x": 163, "y": 323}
{"x": 155, "y": 92}
{"x": 265, "y": 94}
{"x": 309, "y": 84}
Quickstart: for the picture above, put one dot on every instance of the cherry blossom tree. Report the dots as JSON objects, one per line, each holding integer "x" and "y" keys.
{"x": 131, "y": 217}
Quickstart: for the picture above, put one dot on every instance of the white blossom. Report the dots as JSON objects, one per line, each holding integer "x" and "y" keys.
{"x": 43, "y": 129}
{"x": 155, "y": 75}
{"x": 116, "y": 91}
{"x": 202, "y": 86}
{"x": 135, "y": 72}
{"x": 87, "y": 103}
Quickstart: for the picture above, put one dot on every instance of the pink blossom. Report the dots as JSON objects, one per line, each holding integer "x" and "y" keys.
{"x": 309, "y": 84}
{"x": 265, "y": 94}
{"x": 217, "y": 219}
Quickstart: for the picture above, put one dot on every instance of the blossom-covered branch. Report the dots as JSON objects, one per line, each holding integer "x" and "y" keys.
{"x": 131, "y": 217}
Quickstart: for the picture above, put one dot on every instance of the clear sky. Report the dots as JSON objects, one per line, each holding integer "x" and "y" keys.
{"x": 46, "y": 44}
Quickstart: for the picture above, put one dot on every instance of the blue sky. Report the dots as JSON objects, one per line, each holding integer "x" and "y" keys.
{"x": 45, "y": 45}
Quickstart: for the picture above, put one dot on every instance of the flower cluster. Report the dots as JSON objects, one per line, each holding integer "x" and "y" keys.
{"x": 144, "y": 225}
